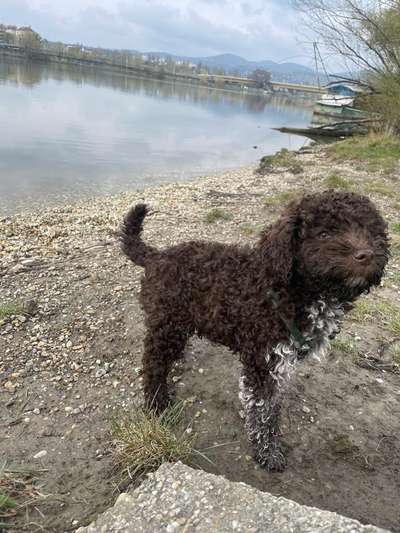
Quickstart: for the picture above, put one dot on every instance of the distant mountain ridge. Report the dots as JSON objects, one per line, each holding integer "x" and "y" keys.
{"x": 234, "y": 63}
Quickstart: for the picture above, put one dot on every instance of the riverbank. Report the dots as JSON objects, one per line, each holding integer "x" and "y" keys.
{"x": 71, "y": 342}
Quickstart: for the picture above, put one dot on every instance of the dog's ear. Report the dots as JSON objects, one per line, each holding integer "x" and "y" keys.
{"x": 277, "y": 245}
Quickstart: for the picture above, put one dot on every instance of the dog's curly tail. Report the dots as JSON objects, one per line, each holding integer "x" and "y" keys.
{"x": 130, "y": 235}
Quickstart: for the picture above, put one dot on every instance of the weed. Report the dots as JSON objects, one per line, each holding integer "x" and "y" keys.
{"x": 336, "y": 181}
{"x": 143, "y": 440}
{"x": 9, "y": 309}
{"x": 215, "y": 214}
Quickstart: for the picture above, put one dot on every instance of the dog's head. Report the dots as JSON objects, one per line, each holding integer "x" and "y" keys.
{"x": 332, "y": 239}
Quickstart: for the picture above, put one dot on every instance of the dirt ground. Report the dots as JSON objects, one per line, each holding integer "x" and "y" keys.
{"x": 70, "y": 359}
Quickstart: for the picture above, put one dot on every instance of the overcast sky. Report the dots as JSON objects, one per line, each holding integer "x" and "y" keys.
{"x": 255, "y": 29}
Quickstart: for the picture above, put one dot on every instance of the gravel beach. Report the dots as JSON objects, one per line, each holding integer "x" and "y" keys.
{"x": 70, "y": 352}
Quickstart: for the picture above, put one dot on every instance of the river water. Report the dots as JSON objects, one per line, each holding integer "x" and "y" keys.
{"x": 70, "y": 132}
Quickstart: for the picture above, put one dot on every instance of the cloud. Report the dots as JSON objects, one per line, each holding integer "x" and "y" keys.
{"x": 255, "y": 29}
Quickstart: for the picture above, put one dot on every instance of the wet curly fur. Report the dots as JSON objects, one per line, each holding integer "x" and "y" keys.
{"x": 273, "y": 303}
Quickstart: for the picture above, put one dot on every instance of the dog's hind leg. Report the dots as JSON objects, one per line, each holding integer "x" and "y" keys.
{"x": 260, "y": 397}
{"x": 164, "y": 344}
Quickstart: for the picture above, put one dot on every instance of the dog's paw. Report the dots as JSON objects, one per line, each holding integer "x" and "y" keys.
{"x": 272, "y": 459}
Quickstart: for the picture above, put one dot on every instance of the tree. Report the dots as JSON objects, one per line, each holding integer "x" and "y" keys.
{"x": 362, "y": 32}
{"x": 365, "y": 33}
{"x": 261, "y": 77}
{"x": 29, "y": 39}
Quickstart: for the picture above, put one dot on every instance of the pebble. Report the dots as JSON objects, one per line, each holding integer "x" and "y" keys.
{"x": 306, "y": 409}
{"x": 40, "y": 454}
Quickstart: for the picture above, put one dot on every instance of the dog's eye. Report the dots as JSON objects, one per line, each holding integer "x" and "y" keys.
{"x": 323, "y": 235}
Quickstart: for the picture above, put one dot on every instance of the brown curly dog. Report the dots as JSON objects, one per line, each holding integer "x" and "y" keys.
{"x": 273, "y": 304}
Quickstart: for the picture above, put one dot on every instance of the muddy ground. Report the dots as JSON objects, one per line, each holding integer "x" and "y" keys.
{"x": 70, "y": 358}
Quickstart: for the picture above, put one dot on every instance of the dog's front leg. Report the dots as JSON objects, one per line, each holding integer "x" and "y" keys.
{"x": 260, "y": 397}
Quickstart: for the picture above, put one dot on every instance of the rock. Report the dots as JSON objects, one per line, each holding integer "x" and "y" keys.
{"x": 40, "y": 454}
{"x": 9, "y": 386}
{"x": 179, "y": 499}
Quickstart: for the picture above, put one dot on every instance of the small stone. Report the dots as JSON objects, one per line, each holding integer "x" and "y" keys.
{"x": 306, "y": 409}
{"x": 36, "y": 411}
{"x": 9, "y": 386}
{"x": 40, "y": 454}
{"x": 69, "y": 344}
{"x": 201, "y": 370}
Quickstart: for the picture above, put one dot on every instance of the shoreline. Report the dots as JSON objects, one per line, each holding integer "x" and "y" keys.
{"x": 71, "y": 348}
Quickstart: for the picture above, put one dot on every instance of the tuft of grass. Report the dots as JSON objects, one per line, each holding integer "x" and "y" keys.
{"x": 216, "y": 213}
{"x": 143, "y": 441}
{"x": 248, "y": 229}
{"x": 10, "y": 309}
{"x": 336, "y": 181}
{"x": 379, "y": 187}
{"x": 345, "y": 345}
{"x": 282, "y": 159}
{"x": 284, "y": 197}
{"x": 388, "y": 313}
{"x": 378, "y": 150}
{"x": 396, "y": 206}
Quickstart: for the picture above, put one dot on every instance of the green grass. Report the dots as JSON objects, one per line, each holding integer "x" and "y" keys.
{"x": 336, "y": 181}
{"x": 378, "y": 150}
{"x": 216, "y": 214}
{"x": 283, "y": 197}
{"x": 386, "y": 312}
{"x": 143, "y": 440}
{"x": 10, "y": 309}
{"x": 379, "y": 187}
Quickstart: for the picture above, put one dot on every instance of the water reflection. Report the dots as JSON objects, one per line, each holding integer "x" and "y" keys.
{"x": 80, "y": 130}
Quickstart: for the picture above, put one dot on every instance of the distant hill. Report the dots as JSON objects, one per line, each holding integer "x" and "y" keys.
{"x": 232, "y": 63}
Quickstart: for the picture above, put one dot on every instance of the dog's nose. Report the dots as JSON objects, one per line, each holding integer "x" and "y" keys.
{"x": 362, "y": 256}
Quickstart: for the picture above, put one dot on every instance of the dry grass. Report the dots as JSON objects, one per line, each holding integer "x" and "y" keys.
{"x": 143, "y": 441}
